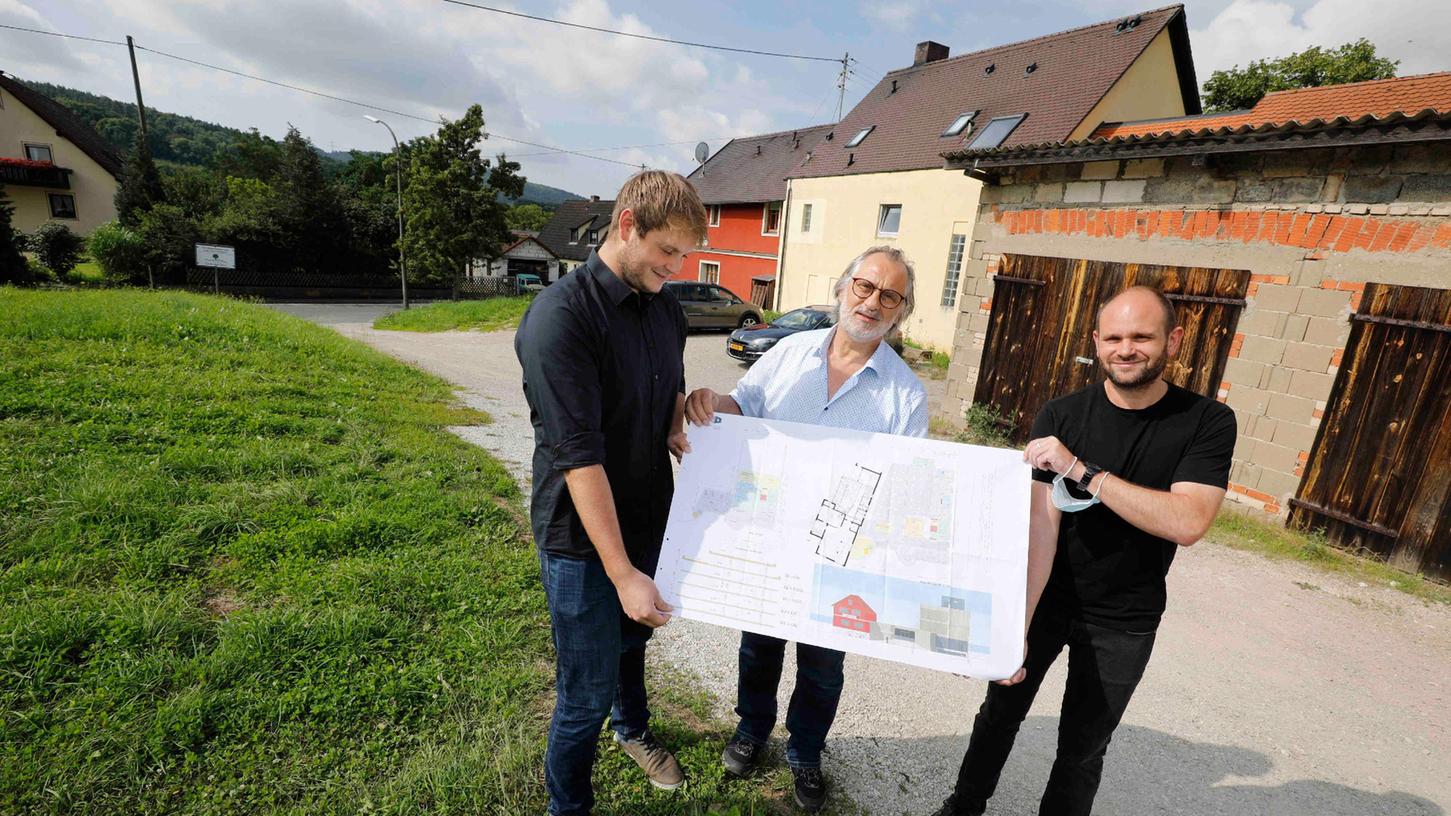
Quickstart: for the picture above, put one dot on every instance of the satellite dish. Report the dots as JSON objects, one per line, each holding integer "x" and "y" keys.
{"x": 702, "y": 152}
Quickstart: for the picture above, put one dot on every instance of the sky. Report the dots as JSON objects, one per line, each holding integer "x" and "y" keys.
{"x": 633, "y": 101}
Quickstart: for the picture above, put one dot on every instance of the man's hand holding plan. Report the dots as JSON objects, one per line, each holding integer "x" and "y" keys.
{"x": 894, "y": 547}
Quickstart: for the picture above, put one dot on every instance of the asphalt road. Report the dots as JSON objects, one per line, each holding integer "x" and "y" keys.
{"x": 1274, "y": 689}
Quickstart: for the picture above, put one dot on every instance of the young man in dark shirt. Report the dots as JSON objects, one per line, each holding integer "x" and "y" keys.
{"x": 1126, "y": 472}
{"x": 602, "y": 352}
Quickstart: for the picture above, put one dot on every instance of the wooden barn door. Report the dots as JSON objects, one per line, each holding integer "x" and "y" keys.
{"x": 1040, "y": 336}
{"x": 1379, "y": 476}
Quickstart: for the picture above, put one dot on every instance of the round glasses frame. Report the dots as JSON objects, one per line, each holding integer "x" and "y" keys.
{"x": 889, "y": 298}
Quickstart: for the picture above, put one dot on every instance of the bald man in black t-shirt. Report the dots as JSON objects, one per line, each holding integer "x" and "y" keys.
{"x": 1125, "y": 472}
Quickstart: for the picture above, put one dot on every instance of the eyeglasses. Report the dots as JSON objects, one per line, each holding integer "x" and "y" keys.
{"x": 889, "y": 298}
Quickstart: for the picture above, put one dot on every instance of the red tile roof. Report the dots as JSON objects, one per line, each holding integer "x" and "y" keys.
{"x": 753, "y": 169}
{"x": 1378, "y": 98}
{"x": 910, "y": 107}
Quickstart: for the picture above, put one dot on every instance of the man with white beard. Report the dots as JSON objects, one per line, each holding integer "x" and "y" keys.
{"x": 843, "y": 377}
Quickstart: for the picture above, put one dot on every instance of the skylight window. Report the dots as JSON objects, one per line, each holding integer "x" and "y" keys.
{"x": 996, "y": 131}
{"x": 861, "y": 136}
{"x": 960, "y": 124}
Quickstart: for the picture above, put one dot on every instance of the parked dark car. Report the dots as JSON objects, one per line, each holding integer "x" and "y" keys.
{"x": 750, "y": 342}
{"x": 710, "y": 306}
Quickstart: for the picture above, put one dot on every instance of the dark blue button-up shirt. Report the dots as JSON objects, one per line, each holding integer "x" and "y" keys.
{"x": 603, "y": 367}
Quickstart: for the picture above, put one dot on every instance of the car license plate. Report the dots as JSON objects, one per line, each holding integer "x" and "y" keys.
{"x": 737, "y": 346}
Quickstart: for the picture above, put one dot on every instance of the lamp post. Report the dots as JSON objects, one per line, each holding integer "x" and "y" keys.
{"x": 402, "y": 264}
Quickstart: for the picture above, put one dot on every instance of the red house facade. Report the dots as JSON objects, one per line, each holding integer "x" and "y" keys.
{"x": 743, "y": 187}
{"x": 853, "y": 613}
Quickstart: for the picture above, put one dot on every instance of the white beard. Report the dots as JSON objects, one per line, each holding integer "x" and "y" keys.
{"x": 855, "y": 330}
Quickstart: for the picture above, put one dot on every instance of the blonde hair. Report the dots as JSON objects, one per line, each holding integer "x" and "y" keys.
{"x": 660, "y": 199}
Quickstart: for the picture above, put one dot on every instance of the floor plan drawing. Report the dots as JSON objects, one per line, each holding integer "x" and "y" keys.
{"x": 842, "y": 514}
{"x": 898, "y": 548}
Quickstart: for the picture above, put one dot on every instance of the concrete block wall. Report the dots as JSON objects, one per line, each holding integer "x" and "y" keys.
{"x": 1312, "y": 226}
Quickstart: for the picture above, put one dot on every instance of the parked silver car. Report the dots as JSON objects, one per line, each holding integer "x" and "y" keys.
{"x": 711, "y": 306}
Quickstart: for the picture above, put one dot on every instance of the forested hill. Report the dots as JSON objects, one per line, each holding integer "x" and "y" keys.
{"x": 186, "y": 140}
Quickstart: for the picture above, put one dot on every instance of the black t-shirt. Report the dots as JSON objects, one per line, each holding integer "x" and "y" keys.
{"x": 1106, "y": 570}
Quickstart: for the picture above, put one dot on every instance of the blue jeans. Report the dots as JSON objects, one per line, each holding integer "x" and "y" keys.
{"x": 1104, "y": 667}
{"x": 813, "y": 701}
{"x": 599, "y": 671}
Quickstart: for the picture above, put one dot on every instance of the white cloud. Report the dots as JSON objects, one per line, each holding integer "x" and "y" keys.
{"x": 1416, "y": 32}
{"x": 898, "y": 14}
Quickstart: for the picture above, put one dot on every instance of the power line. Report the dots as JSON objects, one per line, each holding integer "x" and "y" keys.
{"x": 58, "y": 34}
{"x": 370, "y": 106}
{"x": 639, "y": 36}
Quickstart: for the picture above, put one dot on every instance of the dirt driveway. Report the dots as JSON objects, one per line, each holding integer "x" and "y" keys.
{"x": 1274, "y": 689}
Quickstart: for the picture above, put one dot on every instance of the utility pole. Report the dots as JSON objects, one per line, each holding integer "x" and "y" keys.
{"x": 841, "y": 84}
{"x": 136, "y": 77}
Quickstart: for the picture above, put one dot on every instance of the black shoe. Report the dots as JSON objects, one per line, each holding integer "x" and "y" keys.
{"x": 952, "y": 808}
{"x": 810, "y": 788}
{"x": 741, "y": 755}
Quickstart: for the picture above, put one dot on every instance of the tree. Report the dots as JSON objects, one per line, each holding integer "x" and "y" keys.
{"x": 309, "y": 209}
{"x": 527, "y": 217}
{"x": 140, "y": 185}
{"x": 1241, "y": 88}
{"x": 450, "y": 200}
{"x": 13, "y": 268}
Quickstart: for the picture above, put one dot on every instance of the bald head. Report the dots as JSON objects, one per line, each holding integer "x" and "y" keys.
{"x": 1135, "y": 300}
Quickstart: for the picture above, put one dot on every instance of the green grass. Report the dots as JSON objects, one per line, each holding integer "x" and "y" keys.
{"x": 244, "y": 570}
{"x": 1273, "y": 540}
{"x": 490, "y": 314}
{"x": 87, "y": 273}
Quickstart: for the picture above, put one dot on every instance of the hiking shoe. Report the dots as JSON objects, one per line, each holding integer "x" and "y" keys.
{"x": 741, "y": 755}
{"x": 810, "y": 788}
{"x": 658, "y": 763}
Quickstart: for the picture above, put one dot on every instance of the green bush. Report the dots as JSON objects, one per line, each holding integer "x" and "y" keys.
{"x": 986, "y": 426}
{"x": 120, "y": 252}
{"x": 56, "y": 247}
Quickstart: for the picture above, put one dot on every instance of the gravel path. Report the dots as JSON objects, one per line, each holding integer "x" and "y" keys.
{"x": 1275, "y": 688}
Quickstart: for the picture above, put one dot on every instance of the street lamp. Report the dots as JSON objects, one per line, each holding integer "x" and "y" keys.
{"x": 402, "y": 265}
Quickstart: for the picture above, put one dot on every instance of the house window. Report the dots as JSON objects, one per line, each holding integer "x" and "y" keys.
{"x": 805, "y": 217}
{"x": 960, "y": 124}
{"x": 709, "y": 272}
{"x": 715, "y": 215}
{"x": 860, "y": 136}
{"x": 594, "y": 237}
{"x": 996, "y": 131}
{"x": 889, "y": 220}
{"x": 62, "y": 205}
{"x": 771, "y": 219}
{"x": 38, "y": 152}
{"x": 954, "y": 269}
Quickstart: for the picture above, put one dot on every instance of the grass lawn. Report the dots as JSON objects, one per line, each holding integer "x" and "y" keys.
{"x": 490, "y": 314}
{"x": 243, "y": 569}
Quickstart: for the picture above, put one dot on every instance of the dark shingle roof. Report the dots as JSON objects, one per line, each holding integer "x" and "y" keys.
{"x": 753, "y": 169}
{"x": 569, "y": 217}
{"x": 66, "y": 124}
{"x": 1074, "y": 70}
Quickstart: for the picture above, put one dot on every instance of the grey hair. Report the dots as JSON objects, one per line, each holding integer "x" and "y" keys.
{"x": 909, "y": 297}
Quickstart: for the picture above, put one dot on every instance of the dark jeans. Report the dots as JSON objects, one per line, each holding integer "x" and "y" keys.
{"x": 1104, "y": 667}
{"x": 813, "y": 702}
{"x": 599, "y": 670}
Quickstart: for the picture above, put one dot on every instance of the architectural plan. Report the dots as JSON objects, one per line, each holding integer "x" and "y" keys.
{"x": 905, "y": 549}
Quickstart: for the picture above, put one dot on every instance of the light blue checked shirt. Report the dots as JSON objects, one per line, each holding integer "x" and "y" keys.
{"x": 789, "y": 382}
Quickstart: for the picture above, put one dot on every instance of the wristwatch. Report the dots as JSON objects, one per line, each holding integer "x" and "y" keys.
{"x": 1089, "y": 471}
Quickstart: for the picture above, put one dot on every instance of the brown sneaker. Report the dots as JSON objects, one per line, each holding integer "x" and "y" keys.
{"x": 658, "y": 764}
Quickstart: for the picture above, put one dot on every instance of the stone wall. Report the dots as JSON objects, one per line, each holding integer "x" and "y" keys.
{"x": 1312, "y": 226}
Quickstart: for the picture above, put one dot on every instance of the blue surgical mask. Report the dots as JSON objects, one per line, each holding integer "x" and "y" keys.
{"x": 1067, "y": 502}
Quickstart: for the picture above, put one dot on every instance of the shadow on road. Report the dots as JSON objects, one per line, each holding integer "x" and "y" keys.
{"x": 1146, "y": 772}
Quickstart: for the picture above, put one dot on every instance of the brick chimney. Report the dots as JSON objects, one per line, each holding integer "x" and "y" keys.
{"x": 929, "y": 51}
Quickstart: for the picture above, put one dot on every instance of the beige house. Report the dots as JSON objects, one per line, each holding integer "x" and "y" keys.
{"x": 54, "y": 166}
{"x": 878, "y": 177}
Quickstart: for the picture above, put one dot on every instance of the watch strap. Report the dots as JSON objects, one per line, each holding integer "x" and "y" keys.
{"x": 1090, "y": 470}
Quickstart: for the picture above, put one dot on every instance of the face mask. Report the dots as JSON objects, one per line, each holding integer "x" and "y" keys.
{"x": 1067, "y": 502}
